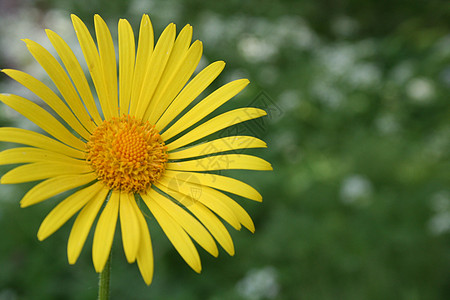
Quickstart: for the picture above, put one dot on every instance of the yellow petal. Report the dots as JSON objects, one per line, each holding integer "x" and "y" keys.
{"x": 31, "y": 138}
{"x": 180, "y": 66}
{"x": 66, "y": 209}
{"x": 43, "y": 119}
{"x": 108, "y": 63}
{"x": 219, "y": 145}
{"x": 83, "y": 224}
{"x": 222, "y": 162}
{"x": 206, "y": 106}
{"x": 76, "y": 73}
{"x": 178, "y": 53}
{"x": 54, "y": 186}
{"x": 94, "y": 64}
{"x": 42, "y": 170}
{"x": 238, "y": 211}
{"x": 145, "y": 252}
{"x": 104, "y": 232}
{"x": 175, "y": 233}
{"x": 194, "y": 88}
{"x": 188, "y": 222}
{"x": 215, "y": 124}
{"x": 29, "y": 154}
{"x": 155, "y": 69}
{"x": 214, "y": 225}
{"x": 144, "y": 53}
{"x": 208, "y": 219}
{"x": 126, "y": 64}
{"x": 49, "y": 97}
{"x": 129, "y": 225}
{"x": 223, "y": 183}
{"x": 203, "y": 195}
{"x": 164, "y": 96}
{"x": 56, "y": 72}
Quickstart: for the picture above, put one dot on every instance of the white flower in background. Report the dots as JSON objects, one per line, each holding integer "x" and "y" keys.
{"x": 255, "y": 49}
{"x": 364, "y": 75}
{"x": 295, "y": 30}
{"x": 212, "y": 28}
{"x": 420, "y": 90}
{"x": 259, "y": 284}
{"x": 440, "y": 222}
{"x": 356, "y": 189}
{"x": 327, "y": 93}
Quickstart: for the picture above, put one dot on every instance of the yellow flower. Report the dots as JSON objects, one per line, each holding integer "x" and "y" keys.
{"x": 133, "y": 144}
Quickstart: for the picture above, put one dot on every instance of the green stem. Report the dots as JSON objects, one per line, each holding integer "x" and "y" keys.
{"x": 103, "y": 280}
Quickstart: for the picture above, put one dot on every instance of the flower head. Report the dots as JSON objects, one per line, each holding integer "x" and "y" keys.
{"x": 135, "y": 142}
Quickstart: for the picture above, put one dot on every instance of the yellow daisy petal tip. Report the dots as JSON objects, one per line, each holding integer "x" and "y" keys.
{"x": 99, "y": 265}
{"x": 130, "y": 259}
{"x": 44, "y": 233}
{"x": 72, "y": 257}
{"x": 6, "y": 179}
{"x": 145, "y": 19}
{"x": 98, "y": 18}
{"x": 171, "y": 27}
{"x": 98, "y": 268}
{"x": 147, "y": 276}
{"x": 148, "y": 282}
{"x": 76, "y": 20}
{"x": 245, "y": 81}
{"x": 220, "y": 63}
{"x": 27, "y": 42}
{"x": 197, "y": 43}
{"x": 197, "y": 269}
{"x": 7, "y": 71}
{"x": 41, "y": 236}
{"x": 23, "y": 204}
{"x": 188, "y": 28}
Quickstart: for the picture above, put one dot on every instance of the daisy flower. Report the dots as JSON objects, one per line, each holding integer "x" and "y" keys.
{"x": 133, "y": 142}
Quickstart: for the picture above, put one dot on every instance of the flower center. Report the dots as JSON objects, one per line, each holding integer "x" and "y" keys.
{"x": 127, "y": 154}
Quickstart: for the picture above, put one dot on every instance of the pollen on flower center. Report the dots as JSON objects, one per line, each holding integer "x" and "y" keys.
{"x": 127, "y": 154}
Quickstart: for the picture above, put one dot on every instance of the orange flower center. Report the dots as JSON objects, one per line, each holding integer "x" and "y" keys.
{"x": 127, "y": 154}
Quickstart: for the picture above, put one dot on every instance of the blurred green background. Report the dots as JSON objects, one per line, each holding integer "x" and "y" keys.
{"x": 358, "y": 205}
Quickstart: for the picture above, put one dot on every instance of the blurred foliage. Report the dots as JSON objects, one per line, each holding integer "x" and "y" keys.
{"x": 358, "y": 206}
